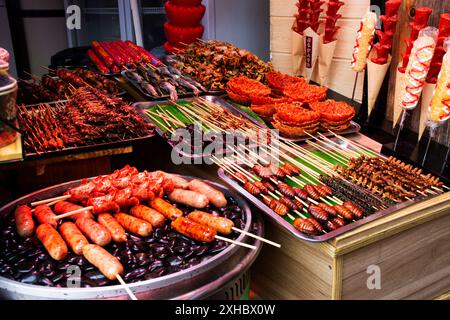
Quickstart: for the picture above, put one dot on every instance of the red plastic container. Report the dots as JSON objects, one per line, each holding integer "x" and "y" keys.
{"x": 186, "y": 3}
{"x": 179, "y": 35}
{"x": 184, "y": 16}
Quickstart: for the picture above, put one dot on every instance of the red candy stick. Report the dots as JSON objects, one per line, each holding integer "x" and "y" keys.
{"x": 420, "y": 21}
{"x": 436, "y": 63}
{"x": 331, "y": 17}
{"x": 384, "y": 46}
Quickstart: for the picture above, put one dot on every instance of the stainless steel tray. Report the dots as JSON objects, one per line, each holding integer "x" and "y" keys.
{"x": 320, "y": 238}
{"x": 183, "y": 284}
{"x": 142, "y": 106}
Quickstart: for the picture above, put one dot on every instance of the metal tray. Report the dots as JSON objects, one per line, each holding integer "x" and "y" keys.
{"x": 354, "y": 127}
{"x": 142, "y": 106}
{"x": 195, "y": 282}
{"x": 150, "y": 97}
{"x": 320, "y": 238}
{"x": 79, "y": 149}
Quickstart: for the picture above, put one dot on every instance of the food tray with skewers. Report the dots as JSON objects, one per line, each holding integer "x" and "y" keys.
{"x": 327, "y": 188}
{"x": 215, "y": 115}
{"x": 56, "y": 86}
{"x": 161, "y": 83}
{"x": 89, "y": 120}
{"x": 145, "y": 244}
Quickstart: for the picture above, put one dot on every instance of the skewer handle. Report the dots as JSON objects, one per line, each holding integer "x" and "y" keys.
{"x": 125, "y": 286}
{"x": 257, "y": 237}
{"x": 236, "y": 242}
{"x": 71, "y": 213}
{"x": 60, "y": 198}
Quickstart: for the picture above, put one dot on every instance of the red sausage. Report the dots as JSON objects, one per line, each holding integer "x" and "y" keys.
{"x": 94, "y": 231}
{"x": 108, "y": 265}
{"x": 64, "y": 207}
{"x": 109, "y": 222}
{"x": 45, "y": 215}
{"x": 24, "y": 221}
{"x": 52, "y": 241}
{"x": 73, "y": 236}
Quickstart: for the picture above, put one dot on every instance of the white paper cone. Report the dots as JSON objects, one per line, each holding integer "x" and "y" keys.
{"x": 326, "y": 53}
{"x": 298, "y": 54}
{"x": 399, "y": 80}
{"x": 375, "y": 78}
{"x": 427, "y": 95}
{"x": 311, "y": 44}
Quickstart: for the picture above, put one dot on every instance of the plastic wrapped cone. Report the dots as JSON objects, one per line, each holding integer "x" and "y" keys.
{"x": 376, "y": 73}
{"x": 326, "y": 53}
{"x": 399, "y": 79}
{"x": 427, "y": 95}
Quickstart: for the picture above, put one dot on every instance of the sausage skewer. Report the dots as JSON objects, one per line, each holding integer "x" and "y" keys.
{"x": 202, "y": 232}
{"x": 60, "y": 198}
{"x": 108, "y": 265}
{"x": 224, "y": 225}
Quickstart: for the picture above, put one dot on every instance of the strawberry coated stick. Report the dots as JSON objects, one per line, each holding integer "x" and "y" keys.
{"x": 331, "y": 17}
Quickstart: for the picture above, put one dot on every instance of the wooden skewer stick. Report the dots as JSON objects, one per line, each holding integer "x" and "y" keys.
{"x": 125, "y": 286}
{"x": 60, "y": 198}
{"x": 257, "y": 237}
{"x": 71, "y": 213}
{"x": 236, "y": 242}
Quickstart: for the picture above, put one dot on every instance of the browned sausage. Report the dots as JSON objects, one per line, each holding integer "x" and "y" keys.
{"x": 148, "y": 214}
{"x": 134, "y": 225}
{"x": 220, "y": 224}
{"x": 108, "y": 265}
{"x": 73, "y": 236}
{"x": 24, "y": 221}
{"x": 45, "y": 215}
{"x": 64, "y": 207}
{"x": 94, "y": 231}
{"x": 177, "y": 181}
{"x": 52, "y": 241}
{"x": 109, "y": 222}
{"x": 189, "y": 198}
{"x": 194, "y": 230}
{"x": 214, "y": 196}
{"x": 166, "y": 209}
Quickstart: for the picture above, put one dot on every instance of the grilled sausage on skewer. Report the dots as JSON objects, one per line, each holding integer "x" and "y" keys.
{"x": 288, "y": 203}
{"x": 286, "y": 190}
{"x": 339, "y": 221}
{"x": 220, "y": 224}
{"x": 312, "y": 192}
{"x": 189, "y": 198}
{"x": 134, "y": 225}
{"x": 24, "y": 221}
{"x": 252, "y": 189}
{"x": 316, "y": 225}
{"x": 148, "y": 214}
{"x": 166, "y": 209}
{"x": 73, "y": 237}
{"x": 64, "y": 207}
{"x": 108, "y": 265}
{"x": 45, "y": 215}
{"x": 261, "y": 187}
{"x": 194, "y": 230}
{"x": 52, "y": 241}
{"x": 302, "y": 194}
{"x": 214, "y": 196}
{"x": 115, "y": 229}
{"x": 94, "y": 231}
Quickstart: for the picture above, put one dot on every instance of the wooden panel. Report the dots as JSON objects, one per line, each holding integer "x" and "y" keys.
{"x": 304, "y": 270}
{"x": 414, "y": 264}
{"x": 287, "y": 8}
{"x": 280, "y": 28}
{"x": 341, "y": 75}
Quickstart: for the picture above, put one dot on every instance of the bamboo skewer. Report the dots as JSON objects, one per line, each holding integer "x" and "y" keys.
{"x": 46, "y": 201}
{"x": 125, "y": 286}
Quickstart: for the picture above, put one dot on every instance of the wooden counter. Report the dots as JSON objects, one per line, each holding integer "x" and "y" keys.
{"x": 411, "y": 248}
